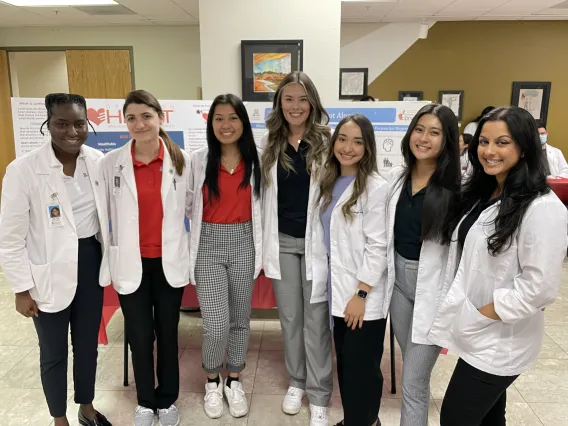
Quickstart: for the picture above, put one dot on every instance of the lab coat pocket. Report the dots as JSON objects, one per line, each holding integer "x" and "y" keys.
{"x": 475, "y": 333}
{"x": 41, "y": 275}
{"x": 114, "y": 263}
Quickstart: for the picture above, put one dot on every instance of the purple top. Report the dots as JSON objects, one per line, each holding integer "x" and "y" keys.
{"x": 339, "y": 188}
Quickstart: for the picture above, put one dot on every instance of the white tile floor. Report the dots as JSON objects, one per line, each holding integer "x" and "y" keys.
{"x": 538, "y": 397}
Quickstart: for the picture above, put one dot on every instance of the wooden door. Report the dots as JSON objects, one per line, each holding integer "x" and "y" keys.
{"x": 100, "y": 74}
{"x": 7, "y": 148}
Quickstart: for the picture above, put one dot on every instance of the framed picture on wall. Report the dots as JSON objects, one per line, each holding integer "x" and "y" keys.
{"x": 353, "y": 83}
{"x": 533, "y": 96}
{"x": 453, "y": 99}
{"x": 410, "y": 95}
{"x": 265, "y": 63}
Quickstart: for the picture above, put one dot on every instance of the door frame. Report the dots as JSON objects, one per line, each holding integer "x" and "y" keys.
{"x": 65, "y": 48}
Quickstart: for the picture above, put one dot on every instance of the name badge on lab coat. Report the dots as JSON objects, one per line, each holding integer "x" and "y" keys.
{"x": 54, "y": 215}
{"x": 116, "y": 187}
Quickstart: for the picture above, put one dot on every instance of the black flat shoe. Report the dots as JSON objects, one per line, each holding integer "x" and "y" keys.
{"x": 99, "y": 420}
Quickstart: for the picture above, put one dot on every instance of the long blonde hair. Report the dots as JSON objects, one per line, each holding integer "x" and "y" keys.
{"x": 367, "y": 165}
{"x": 317, "y": 132}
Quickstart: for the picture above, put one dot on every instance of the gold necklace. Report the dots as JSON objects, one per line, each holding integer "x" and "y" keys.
{"x": 230, "y": 169}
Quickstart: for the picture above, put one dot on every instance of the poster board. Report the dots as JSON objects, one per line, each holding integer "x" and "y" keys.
{"x": 186, "y": 123}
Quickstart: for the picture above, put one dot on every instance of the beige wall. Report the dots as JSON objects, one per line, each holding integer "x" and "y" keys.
{"x": 35, "y": 74}
{"x": 166, "y": 59}
{"x": 483, "y": 59}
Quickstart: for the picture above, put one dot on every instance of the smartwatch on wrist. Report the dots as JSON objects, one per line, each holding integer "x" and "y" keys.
{"x": 361, "y": 293}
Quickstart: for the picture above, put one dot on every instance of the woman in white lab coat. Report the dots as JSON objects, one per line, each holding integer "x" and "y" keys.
{"x": 422, "y": 195}
{"x": 226, "y": 248}
{"x": 149, "y": 187}
{"x": 349, "y": 264}
{"x": 53, "y": 231}
{"x": 510, "y": 244}
{"x": 294, "y": 148}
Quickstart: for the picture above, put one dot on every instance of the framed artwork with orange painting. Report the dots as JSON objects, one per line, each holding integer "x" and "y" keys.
{"x": 265, "y": 63}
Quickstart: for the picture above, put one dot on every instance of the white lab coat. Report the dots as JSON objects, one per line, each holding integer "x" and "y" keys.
{"x": 430, "y": 287}
{"x": 270, "y": 240}
{"x": 34, "y": 255}
{"x": 198, "y": 166}
{"x": 124, "y": 250}
{"x": 556, "y": 162}
{"x": 521, "y": 281}
{"x": 358, "y": 251}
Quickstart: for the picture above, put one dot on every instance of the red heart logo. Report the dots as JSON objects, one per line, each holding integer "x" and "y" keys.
{"x": 205, "y": 115}
{"x": 96, "y": 116}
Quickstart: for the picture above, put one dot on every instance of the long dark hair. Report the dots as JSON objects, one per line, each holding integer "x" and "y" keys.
{"x": 246, "y": 144}
{"x": 366, "y": 166}
{"x": 143, "y": 97}
{"x": 524, "y": 182}
{"x": 485, "y": 111}
{"x": 442, "y": 192}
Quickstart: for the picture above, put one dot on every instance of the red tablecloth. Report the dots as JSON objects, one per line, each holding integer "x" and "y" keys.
{"x": 560, "y": 188}
{"x": 262, "y": 298}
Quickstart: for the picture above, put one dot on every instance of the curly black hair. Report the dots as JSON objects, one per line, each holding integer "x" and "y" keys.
{"x": 63, "y": 99}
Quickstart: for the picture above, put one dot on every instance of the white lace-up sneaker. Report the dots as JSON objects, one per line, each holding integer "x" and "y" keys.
{"x": 168, "y": 416}
{"x": 238, "y": 406}
{"x": 143, "y": 416}
{"x": 214, "y": 399}
{"x": 293, "y": 400}
{"x": 318, "y": 416}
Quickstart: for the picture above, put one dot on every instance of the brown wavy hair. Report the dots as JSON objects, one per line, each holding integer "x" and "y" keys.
{"x": 142, "y": 97}
{"x": 317, "y": 132}
{"x": 367, "y": 166}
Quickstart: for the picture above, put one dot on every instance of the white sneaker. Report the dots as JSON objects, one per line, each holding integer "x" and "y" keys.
{"x": 238, "y": 406}
{"x": 214, "y": 399}
{"x": 168, "y": 416}
{"x": 318, "y": 416}
{"x": 293, "y": 400}
{"x": 143, "y": 416}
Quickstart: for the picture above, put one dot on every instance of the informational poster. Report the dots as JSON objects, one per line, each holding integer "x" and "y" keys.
{"x": 186, "y": 123}
{"x": 108, "y": 129}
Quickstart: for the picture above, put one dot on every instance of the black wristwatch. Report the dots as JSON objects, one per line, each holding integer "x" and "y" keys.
{"x": 361, "y": 293}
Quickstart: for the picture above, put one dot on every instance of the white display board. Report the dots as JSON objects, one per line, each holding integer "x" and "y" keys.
{"x": 186, "y": 123}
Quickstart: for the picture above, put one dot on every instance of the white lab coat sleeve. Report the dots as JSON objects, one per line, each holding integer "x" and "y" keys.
{"x": 189, "y": 188}
{"x": 562, "y": 165}
{"x": 374, "y": 266}
{"x": 14, "y": 228}
{"x": 542, "y": 243}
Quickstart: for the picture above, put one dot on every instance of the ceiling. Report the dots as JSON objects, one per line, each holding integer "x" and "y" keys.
{"x": 186, "y": 12}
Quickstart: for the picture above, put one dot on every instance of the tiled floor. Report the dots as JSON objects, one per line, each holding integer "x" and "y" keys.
{"x": 538, "y": 397}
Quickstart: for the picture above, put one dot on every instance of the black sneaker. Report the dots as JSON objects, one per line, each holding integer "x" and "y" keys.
{"x": 99, "y": 420}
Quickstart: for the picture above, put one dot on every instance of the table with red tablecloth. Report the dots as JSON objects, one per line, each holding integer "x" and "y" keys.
{"x": 262, "y": 298}
{"x": 560, "y": 188}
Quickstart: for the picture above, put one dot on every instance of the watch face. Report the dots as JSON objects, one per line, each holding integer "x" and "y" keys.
{"x": 362, "y": 294}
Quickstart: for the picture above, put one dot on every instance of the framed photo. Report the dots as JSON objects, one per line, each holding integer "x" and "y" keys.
{"x": 533, "y": 96}
{"x": 453, "y": 99}
{"x": 410, "y": 95}
{"x": 353, "y": 83}
{"x": 265, "y": 63}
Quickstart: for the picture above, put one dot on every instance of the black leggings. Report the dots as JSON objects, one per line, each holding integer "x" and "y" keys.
{"x": 475, "y": 398}
{"x": 359, "y": 354}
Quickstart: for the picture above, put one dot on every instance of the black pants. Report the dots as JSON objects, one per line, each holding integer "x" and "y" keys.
{"x": 153, "y": 311}
{"x": 84, "y": 315}
{"x": 475, "y": 398}
{"x": 359, "y": 354}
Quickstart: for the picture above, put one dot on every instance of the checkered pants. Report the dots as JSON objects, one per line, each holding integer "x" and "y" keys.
{"x": 224, "y": 278}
